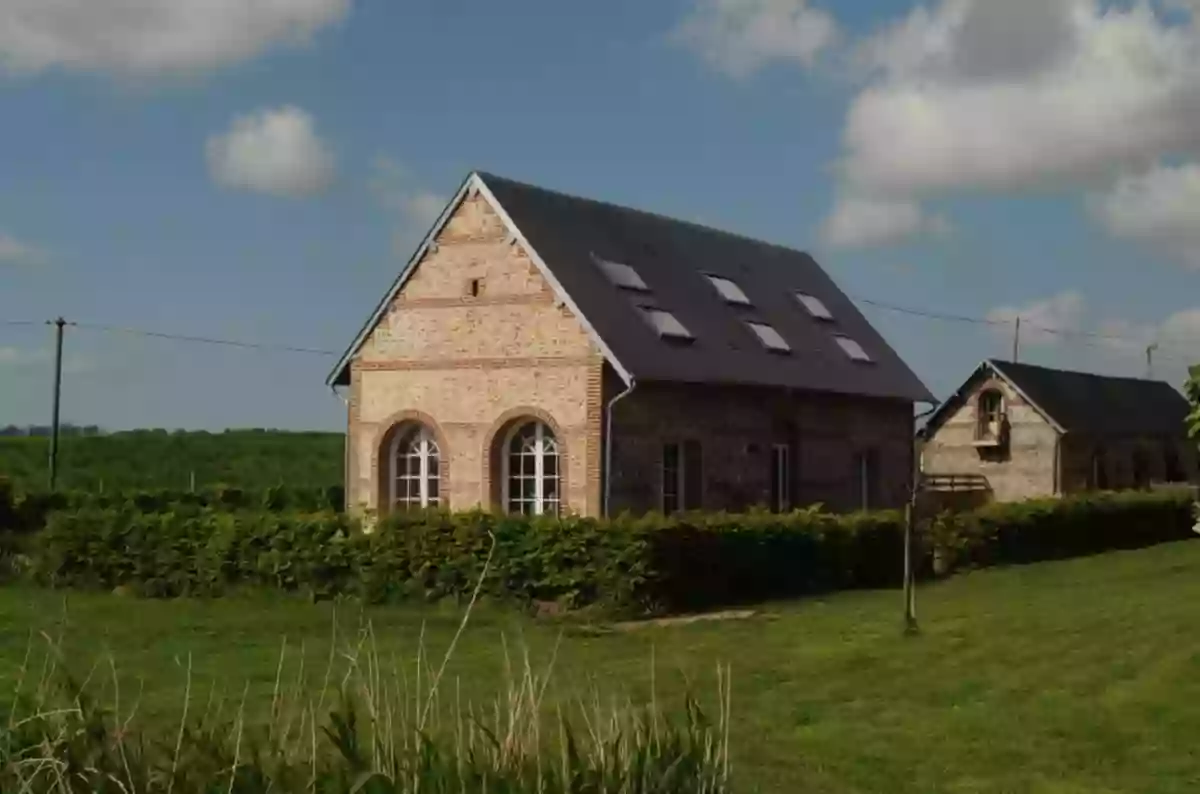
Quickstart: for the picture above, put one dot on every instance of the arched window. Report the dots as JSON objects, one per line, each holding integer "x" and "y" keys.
{"x": 990, "y": 415}
{"x": 531, "y": 470}
{"x": 415, "y": 480}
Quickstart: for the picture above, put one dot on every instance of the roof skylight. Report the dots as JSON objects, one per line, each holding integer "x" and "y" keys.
{"x": 770, "y": 337}
{"x": 729, "y": 290}
{"x": 622, "y": 275}
{"x": 666, "y": 324}
{"x": 852, "y": 348}
{"x": 815, "y": 306}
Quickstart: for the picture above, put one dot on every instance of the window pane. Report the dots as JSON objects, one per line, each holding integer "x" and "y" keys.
{"x": 666, "y": 324}
{"x": 770, "y": 338}
{"x": 693, "y": 476}
{"x": 729, "y": 290}
{"x": 781, "y": 484}
{"x": 622, "y": 275}
{"x": 814, "y": 306}
{"x": 670, "y": 477}
{"x": 852, "y": 348}
{"x": 550, "y": 464}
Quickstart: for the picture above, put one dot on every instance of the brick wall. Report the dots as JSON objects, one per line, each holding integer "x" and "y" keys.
{"x": 467, "y": 365}
{"x": 1024, "y": 469}
{"x": 737, "y": 428}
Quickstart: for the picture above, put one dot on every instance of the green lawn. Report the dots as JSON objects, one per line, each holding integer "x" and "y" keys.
{"x": 1080, "y": 676}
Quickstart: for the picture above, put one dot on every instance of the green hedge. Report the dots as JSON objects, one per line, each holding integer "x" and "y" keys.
{"x": 649, "y": 564}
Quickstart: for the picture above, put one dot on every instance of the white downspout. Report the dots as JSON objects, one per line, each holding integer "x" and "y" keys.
{"x": 608, "y": 435}
{"x": 345, "y": 452}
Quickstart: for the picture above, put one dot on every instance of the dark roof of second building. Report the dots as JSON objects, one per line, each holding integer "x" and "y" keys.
{"x": 673, "y": 258}
{"x": 1099, "y": 404}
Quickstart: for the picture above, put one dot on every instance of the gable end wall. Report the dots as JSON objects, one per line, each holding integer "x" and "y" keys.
{"x": 470, "y": 363}
{"x": 1023, "y": 470}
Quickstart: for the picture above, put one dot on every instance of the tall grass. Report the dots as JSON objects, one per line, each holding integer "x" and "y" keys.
{"x": 373, "y": 725}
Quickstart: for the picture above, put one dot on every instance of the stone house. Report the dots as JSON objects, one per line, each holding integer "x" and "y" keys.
{"x": 1030, "y": 431}
{"x": 546, "y": 353}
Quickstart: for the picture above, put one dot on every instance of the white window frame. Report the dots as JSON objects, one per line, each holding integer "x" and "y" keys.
{"x": 545, "y": 445}
{"x": 427, "y": 449}
{"x": 782, "y": 476}
{"x": 814, "y": 305}
{"x": 729, "y": 289}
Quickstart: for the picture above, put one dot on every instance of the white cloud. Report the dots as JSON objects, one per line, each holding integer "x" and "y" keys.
{"x": 274, "y": 151}
{"x": 1039, "y": 319}
{"x": 861, "y": 223}
{"x": 998, "y": 96}
{"x": 152, "y": 37}
{"x": 1114, "y": 345}
{"x": 14, "y": 252}
{"x": 423, "y": 208}
{"x": 1179, "y": 331}
{"x": 739, "y": 36}
{"x": 415, "y": 209}
{"x": 1160, "y": 206}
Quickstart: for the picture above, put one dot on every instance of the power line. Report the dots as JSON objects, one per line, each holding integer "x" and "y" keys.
{"x": 994, "y": 322}
{"x": 205, "y": 340}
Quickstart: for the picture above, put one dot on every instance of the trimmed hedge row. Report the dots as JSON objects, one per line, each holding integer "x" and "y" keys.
{"x": 649, "y": 564}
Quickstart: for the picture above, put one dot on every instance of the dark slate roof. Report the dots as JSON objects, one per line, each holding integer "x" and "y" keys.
{"x": 1099, "y": 404}
{"x": 672, "y": 257}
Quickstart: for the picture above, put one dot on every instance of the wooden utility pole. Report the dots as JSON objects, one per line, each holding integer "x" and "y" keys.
{"x": 1016, "y": 341}
{"x": 58, "y": 346}
{"x": 910, "y": 590}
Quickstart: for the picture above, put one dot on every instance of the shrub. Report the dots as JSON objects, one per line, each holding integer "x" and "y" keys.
{"x": 647, "y": 564}
{"x": 1047, "y": 529}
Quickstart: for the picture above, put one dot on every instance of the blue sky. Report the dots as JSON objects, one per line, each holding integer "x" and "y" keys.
{"x": 262, "y": 174}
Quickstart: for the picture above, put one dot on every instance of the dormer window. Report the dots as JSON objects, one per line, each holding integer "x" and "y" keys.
{"x": 622, "y": 275}
{"x": 989, "y": 424}
{"x": 729, "y": 290}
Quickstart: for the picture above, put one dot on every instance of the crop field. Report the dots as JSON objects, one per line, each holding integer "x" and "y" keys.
{"x": 149, "y": 459}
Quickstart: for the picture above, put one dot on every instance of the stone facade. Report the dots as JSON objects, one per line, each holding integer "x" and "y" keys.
{"x": 1023, "y": 468}
{"x": 1038, "y": 461}
{"x": 477, "y": 340}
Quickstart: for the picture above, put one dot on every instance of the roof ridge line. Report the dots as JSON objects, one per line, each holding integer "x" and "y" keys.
{"x": 485, "y": 175}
